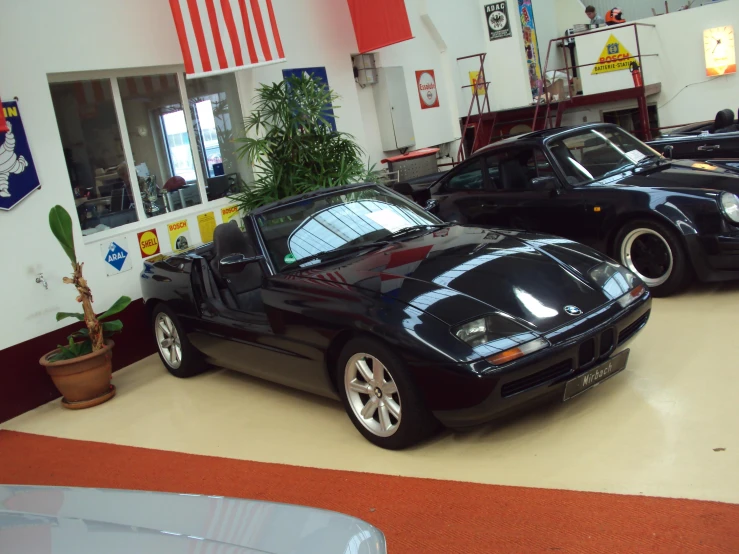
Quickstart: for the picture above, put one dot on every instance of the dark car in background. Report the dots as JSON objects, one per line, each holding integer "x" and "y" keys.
{"x": 357, "y": 294}
{"x": 708, "y": 140}
{"x": 665, "y": 220}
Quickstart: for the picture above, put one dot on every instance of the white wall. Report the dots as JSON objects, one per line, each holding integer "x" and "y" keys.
{"x": 95, "y": 35}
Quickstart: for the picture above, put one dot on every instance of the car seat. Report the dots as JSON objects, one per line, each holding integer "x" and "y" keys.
{"x": 513, "y": 176}
{"x": 242, "y": 289}
{"x": 724, "y": 119}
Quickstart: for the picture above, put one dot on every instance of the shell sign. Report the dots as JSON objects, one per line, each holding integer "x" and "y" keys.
{"x": 148, "y": 243}
{"x": 427, "y": 89}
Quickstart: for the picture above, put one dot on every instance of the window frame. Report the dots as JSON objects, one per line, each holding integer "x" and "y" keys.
{"x": 143, "y": 221}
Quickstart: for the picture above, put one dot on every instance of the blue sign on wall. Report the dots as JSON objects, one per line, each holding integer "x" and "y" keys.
{"x": 18, "y": 176}
{"x": 319, "y": 73}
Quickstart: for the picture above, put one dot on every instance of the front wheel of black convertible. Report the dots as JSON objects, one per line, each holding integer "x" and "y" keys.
{"x": 655, "y": 254}
{"x": 177, "y": 354}
{"x": 381, "y": 399}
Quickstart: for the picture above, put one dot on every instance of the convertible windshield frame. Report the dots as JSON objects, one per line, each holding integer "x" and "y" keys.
{"x": 577, "y": 172}
{"x": 369, "y": 212}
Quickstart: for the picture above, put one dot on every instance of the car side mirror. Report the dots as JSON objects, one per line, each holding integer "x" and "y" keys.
{"x": 235, "y": 263}
{"x": 667, "y": 152}
{"x": 545, "y": 183}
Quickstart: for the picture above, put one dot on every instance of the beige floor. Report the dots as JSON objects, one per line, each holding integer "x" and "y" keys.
{"x": 651, "y": 430}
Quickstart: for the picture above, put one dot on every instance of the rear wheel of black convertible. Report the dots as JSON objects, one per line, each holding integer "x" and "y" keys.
{"x": 381, "y": 399}
{"x": 655, "y": 254}
{"x": 177, "y": 354}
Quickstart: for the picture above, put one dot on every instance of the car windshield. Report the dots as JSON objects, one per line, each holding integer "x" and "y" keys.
{"x": 334, "y": 221}
{"x": 593, "y": 154}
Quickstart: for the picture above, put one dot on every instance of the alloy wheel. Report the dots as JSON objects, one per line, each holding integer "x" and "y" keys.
{"x": 373, "y": 394}
{"x": 168, "y": 340}
{"x": 647, "y": 253}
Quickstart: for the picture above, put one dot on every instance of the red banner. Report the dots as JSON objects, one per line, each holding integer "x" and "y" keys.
{"x": 379, "y": 23}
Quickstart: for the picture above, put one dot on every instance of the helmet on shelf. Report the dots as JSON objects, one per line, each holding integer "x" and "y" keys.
{"x": 615, "y": 16}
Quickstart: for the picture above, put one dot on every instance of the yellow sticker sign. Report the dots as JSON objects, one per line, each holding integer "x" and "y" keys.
{"x": 148, "y": 243}
{"x": 473, "y": 81}
{"x": 179, "y": 235}
{"x": 229, "y": 212}
{"x": 615, "y": 57}
{"x": 207, "y": 225}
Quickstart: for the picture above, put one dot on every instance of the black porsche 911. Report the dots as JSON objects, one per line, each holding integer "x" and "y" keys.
{"x": 666, "y": 220}
{"x": 359, "y": 294}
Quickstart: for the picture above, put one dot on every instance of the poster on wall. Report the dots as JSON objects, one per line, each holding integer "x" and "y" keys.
{"x": 499, "y": 26}
{"x": 148, "y": 243}
{"x": 115, "y": 254}
{"x": 615, "y": 57}
{"x": 320, "y": 74}
{"x": 207, "y": 225}
{"x": 426, "y": 81}
{"x": 480, "y": 86}
{"x": 18, "y": 176}
{"x": 179, "y": 235}
{"x": 531, "y": 45}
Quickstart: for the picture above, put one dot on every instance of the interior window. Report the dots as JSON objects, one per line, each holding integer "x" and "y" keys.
{"x": 217, "y": 117}
{"x": 468, "y": 178}
{"x": 160, "y": 145}
{"x": 93, "y": 150}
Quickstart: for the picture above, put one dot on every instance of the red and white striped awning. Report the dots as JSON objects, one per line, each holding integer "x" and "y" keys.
{"x": 219, "y": 36}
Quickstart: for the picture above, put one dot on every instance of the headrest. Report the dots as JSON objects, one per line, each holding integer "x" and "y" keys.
{"x": 724, "y": 118}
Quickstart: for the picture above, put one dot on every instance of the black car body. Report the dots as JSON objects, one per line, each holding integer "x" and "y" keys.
{"x": 666, "y": 220}
{"x": 467, "y": 321}
{"x": 708, "y": 140}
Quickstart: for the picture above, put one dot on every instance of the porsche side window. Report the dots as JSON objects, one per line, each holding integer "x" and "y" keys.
{"x": 468, "y": 178}
{"x": 543, "y": 167}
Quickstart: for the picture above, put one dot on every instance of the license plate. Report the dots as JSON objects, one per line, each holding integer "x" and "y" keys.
{"x": 596, "y": 375}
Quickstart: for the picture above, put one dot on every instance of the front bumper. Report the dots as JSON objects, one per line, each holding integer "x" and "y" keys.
{"x": 577, "y": 348}
{"x": 715, "y": 257}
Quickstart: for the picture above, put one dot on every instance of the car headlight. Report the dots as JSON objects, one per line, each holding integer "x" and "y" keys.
{"x": 614, "y": 280}
{"x": 504, "y": 339}
{"x": 730, "y": 206}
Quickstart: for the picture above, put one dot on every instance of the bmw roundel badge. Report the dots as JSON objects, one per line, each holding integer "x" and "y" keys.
{"x": 573, "y": 310}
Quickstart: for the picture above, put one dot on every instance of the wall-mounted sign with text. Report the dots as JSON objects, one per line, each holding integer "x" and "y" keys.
{"x": 148, "y": 243}
{"x": 179, "y": 235}
{"x": 115, "y": 254}
{"x": 18, "y": 176}
{"x": 615, "y": 57}
{"x": 426, "y": 81}
{"x": 499, "y": 25}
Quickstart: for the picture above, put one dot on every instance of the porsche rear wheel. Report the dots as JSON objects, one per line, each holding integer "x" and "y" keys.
{"x": 177, "y": 354}
{"x": 655, "y": 254}
{"x": 379, "y": 396}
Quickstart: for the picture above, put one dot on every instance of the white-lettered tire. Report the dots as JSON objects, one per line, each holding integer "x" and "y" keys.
{"x": 177, "y": 354}
{"x": 654, "y": 252}
{"x": 380, "y": 397}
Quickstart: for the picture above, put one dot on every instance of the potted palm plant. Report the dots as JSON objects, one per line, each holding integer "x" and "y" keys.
{"x": 81, "y": 370}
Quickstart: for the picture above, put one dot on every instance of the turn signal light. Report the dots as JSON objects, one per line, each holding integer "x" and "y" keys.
{"x": 628, "y": 298}
{"x": 518, "y": 352}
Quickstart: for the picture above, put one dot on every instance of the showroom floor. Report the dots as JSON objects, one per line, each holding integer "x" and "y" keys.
{"x": 668, "y": 426}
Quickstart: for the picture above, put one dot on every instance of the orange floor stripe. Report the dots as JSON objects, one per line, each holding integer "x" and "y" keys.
{"x": 417, "y": 515}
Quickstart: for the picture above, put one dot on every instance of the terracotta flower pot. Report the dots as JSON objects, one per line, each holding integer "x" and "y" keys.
{"x": 85, "y": 381}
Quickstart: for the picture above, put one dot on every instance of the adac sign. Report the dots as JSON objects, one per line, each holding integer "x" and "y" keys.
{"x": 148, "y": 243}
{"x": 18, "y": 176}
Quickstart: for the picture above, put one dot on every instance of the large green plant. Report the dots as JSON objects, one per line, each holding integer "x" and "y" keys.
{"x": 93, "y": 336}
{"x": 294, "y": 148}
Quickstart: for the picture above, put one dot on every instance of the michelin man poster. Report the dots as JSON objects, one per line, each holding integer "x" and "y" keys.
{"x": 18, "y": 176}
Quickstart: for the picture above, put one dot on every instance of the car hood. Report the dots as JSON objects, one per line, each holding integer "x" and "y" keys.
{"x": 461, "y": 272}
{"x": 687, "y": 174}
{"x": 54, "y": 519}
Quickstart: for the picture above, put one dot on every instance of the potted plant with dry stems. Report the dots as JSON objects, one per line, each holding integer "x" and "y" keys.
{"x": 82, "y": 369}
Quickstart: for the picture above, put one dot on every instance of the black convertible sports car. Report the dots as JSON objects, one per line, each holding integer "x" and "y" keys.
{"x": 709, "y": 140}
{"x": 359, "y": 294}
{"x": 666, "y": 220}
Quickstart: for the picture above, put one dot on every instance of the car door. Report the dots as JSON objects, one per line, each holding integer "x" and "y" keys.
{"x": 461, "y": 193}
{"x": 705, "y": 146}
{"x": 526, "y": 193}
{"x": 248, "y": 333}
